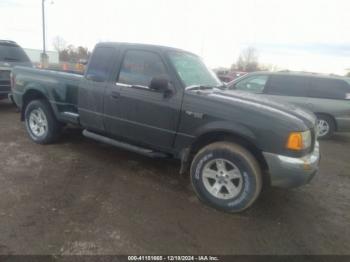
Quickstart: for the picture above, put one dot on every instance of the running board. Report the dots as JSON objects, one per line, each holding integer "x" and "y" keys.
{"x": 123, "y": 145}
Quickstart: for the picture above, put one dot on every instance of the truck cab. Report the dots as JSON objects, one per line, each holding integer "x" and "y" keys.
{"x": 131, "y": 91}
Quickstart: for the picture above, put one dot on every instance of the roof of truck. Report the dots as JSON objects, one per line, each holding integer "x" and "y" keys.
{"x": 143, "y": 46}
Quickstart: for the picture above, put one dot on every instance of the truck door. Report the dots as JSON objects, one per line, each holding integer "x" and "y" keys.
{"x": 92, "y": 88}
{"x": 138, "y": 113}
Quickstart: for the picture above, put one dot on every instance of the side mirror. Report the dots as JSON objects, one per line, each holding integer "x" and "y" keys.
{"x": 161, "y": 84}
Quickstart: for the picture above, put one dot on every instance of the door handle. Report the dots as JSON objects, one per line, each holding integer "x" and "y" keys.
{"x": 115, "y": 94}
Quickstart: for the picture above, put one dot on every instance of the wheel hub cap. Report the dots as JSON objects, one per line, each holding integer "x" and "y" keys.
{"x": 222, "y": 179}
{"x": 322, "y": 127}
{"x": 38, "y": 122}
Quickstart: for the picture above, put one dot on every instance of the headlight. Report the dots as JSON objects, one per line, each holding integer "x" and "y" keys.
{"x": 299, "y": 140}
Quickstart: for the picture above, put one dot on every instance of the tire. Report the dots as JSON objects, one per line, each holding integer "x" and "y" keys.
{"x": 40, "y": 117}
{"x": 325, "y": 127}
{"x": 237, "y": 188}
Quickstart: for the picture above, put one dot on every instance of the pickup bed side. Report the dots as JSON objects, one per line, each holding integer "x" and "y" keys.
{"x": 58, "y": 88}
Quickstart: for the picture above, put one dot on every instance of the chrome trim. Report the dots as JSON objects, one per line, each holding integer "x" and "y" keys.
{"x": 135, "y": 86}
{"x": 142, "y": 87}
{"x": 122, "y": 85}
{"x": 70, "y": 114}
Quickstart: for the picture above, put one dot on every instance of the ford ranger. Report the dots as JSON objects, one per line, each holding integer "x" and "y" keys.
{"x": 164, "y": 102}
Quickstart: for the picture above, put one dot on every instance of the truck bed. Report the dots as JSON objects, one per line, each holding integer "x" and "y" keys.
{"x": 60, "y": 89}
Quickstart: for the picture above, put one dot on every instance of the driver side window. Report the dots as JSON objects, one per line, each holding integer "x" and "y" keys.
{"x": 139, "y": 67}
{"x": 253, "y": 84}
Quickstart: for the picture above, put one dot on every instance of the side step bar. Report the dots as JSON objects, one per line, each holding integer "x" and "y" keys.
{"x": 123, "y": 145}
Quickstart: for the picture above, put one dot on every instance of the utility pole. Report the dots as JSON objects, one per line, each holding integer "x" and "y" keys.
{"x": 44, "y": 56}
{"x": 44, "y": 35}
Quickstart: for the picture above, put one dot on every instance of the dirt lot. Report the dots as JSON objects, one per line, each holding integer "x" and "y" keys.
{"x": 82, "y": 197}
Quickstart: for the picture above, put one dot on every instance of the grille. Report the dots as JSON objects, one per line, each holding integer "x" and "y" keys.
{"x": 5, "y": 86}
{"x": 5, "y": 75}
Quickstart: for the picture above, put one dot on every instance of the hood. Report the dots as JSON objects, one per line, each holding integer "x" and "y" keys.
{"x": 262, "y": 103}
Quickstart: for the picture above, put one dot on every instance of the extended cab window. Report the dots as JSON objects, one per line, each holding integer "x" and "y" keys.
{"x": 254, "y": 84}
{"x": 100, "y": 64}
{"x": 328, "y": 88}
{"x": 287, "y": 85}
{"x": 139, "y": 67}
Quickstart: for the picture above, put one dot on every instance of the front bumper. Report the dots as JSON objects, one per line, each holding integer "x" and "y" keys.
{"x": 288, "y": 172}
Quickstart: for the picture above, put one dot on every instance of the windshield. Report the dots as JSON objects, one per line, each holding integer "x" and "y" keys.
{"x": 192, "y": 70}
{"x": 12, "y": 54}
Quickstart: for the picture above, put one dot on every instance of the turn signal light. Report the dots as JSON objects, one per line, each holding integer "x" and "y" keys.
{"x": 295, "y": 141}
{"x": 299, "y": 140}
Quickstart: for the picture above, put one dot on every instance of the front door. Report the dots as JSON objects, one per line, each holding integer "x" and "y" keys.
{"x": 138, "y": 113}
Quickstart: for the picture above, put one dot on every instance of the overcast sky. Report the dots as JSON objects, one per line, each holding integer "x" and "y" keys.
{"x": 312, "y": 35}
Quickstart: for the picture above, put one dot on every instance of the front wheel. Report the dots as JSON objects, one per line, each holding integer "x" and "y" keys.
{"x": 226, "y": 176}
{"x": 41, "y": 124}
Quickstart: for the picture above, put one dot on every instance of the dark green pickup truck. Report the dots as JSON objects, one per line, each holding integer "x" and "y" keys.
{"x": 164, "y": 102}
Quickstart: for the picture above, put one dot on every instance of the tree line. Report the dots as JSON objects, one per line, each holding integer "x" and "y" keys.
{"x": 70, "y": 53}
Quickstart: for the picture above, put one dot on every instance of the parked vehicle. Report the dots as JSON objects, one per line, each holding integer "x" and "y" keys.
{"x": 11, "y": 54}
{"x": 327, "y": 96}
{"x": 228, "y": 76}
{"x": 164, "y": 102}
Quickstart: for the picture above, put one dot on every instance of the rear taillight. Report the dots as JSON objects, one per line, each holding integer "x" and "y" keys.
{"x": 347, "y": 96}
{"x": 12, "y": 79}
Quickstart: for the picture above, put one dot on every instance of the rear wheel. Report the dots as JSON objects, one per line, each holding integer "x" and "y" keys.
{"x": 325, "y": 127}
{"x": 41, "y": 124}
{"x": 226, "y": 176}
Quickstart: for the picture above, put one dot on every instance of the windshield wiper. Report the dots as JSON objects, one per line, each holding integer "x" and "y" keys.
{"x": 203, "y": 87}
{"x": 198, "y": 87}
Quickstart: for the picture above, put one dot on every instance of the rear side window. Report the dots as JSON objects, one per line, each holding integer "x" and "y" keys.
{"x": 101, "y": 63}
{"x": 287, "y": 85}
{"x": 253, "y": 84}
{"x": 328, "y": 88}
{"x": 12, "y": 53}
{"x": 139, "y": 67}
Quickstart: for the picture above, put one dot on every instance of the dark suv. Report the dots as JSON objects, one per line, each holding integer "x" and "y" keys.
{"x": 327, "y": 96}
{"x": 11, "y": 54}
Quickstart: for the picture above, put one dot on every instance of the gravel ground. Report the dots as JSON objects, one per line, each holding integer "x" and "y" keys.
{"x": 82, "y": 197}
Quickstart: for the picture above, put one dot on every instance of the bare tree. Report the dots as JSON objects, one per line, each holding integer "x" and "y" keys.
{"x": 248, "y": 60}
{"x": 59, "y": 43}
{"x": 74, "y": 54}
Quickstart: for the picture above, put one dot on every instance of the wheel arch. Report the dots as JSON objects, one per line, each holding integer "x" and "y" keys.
{"x": 230, "y": 136}
{"x": 217, "y": 135}
{"x": 30, "y": 95}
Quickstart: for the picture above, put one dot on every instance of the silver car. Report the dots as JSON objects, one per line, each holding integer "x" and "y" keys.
{"x": 327, "y": 96}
